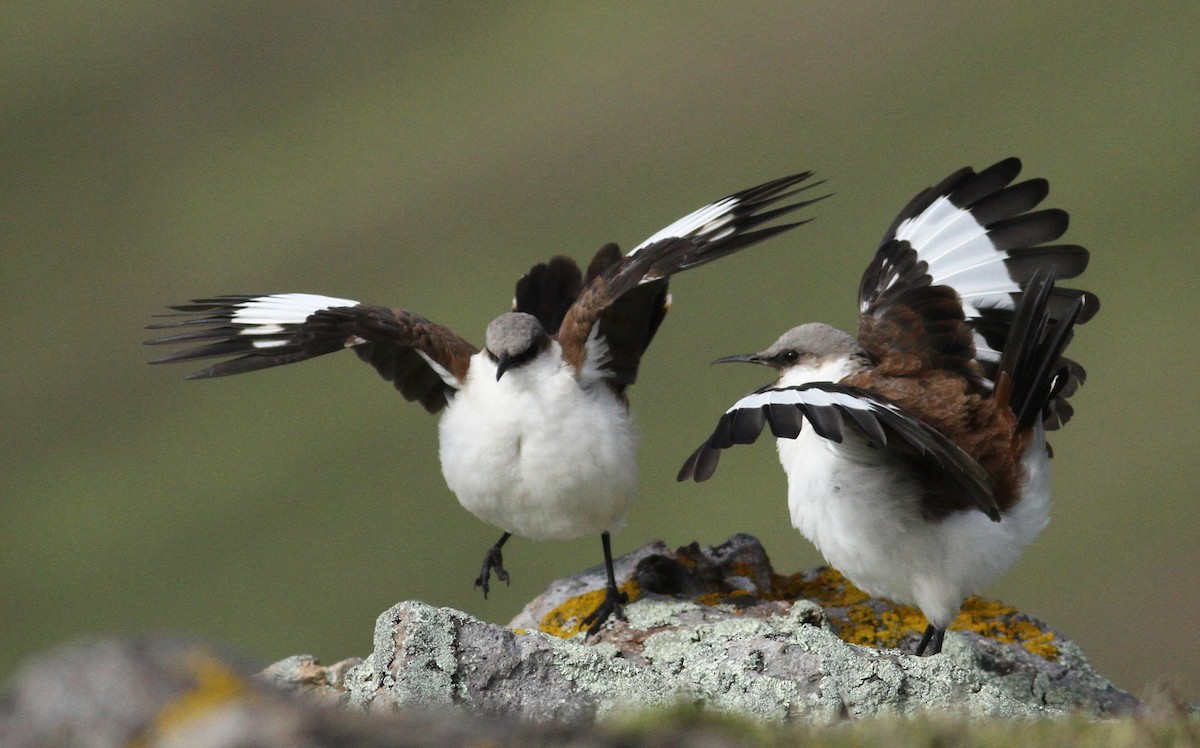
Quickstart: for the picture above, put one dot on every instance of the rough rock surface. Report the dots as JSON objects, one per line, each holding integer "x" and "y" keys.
{"x": 713, "y": 628}
{"x": 718, "y": 627}
{"x": 179, "y": 692}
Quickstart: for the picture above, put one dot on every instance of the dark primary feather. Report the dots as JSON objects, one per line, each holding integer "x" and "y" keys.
{"x": 548, "y": 290}
{"x": 894, "y": 283}
{"x": 627, "y": 296}
{"x": 1038, "y": 378}
{"x": 627, "y": 325}
{"x": 217, "y": 312}
{"x": 392, "y": 341}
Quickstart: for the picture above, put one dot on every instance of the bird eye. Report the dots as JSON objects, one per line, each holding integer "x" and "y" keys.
{"x": 790, "y": 357}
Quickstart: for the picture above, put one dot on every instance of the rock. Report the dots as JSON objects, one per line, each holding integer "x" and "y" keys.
{"x": 177, "y": 692}
{"x": 714, "y": 629}
{"x": 718, "y": 627}
{"x": 304, "y": 675}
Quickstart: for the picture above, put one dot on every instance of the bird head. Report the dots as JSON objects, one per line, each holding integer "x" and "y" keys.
{"x": 514, "y": 339}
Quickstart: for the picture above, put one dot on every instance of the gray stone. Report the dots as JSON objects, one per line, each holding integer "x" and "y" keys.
{"x": 436, "y": 657}
{"x": 714, "y": 629}
{"x": 179, "y": 692}
{"x": 718, "y": 627}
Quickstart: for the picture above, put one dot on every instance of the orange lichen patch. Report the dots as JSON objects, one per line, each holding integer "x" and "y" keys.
{"x": 744, "y": 569}
{"x": 564, "y": 620}
{"x": 711, "y": 598}
{"x": 825, "y": 586}
{"x": 880, "y": 624}
{"x": 860, "y": 619}
{"x": 214, "y": 685}
{"x": 1001, "y": 622}
{"x": 737, "y": 598}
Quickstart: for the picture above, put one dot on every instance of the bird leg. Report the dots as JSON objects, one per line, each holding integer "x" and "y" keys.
{"x": 493, "y": 560}
{"x": 613, "y": 598}
{"x": 934, "y": 635}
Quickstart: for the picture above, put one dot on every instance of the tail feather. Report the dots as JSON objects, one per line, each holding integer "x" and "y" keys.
{"x": 1036, "y": 378}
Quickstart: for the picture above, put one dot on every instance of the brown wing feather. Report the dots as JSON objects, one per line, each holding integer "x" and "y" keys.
{"x": 395, "y": 339}
{"x": 913, "y": 327}
{"x": 392, "y": 341}
{"x": 975, "y": 423}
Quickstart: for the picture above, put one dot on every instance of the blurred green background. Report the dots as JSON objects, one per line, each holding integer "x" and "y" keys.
{"x": 424, "y": 155}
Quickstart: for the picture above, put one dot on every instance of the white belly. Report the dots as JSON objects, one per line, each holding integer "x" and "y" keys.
{"x": 864, "y": 517}
{"x": 536, "y": 454}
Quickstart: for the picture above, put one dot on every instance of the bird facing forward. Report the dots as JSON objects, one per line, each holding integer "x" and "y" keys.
{"x": 536, "y": 436}
{"x": 915, "y": 450}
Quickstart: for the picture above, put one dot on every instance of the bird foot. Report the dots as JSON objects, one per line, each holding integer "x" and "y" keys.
{"x": 614, "y": 599}
{"x": 932, "y": 636}
{"x": 493, "y": 560}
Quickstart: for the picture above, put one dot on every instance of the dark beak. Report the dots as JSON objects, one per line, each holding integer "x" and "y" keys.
{"x": 503, "y": 361}
{"x": 745, "y": 358}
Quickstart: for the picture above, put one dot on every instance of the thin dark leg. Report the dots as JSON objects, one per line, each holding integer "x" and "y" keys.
{"x": 493, "y": 561}
{"x": 613, "y": 598}
{"x": 932, "y": 635}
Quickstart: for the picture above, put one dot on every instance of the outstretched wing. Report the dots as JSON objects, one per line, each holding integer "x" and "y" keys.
{"x": 625, "y": 298}
{"x": 424, "y": 360}
{"x": 829, "y": 409}
{"x": 949, "y": 275}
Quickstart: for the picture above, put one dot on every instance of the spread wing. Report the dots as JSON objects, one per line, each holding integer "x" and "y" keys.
{"x": 949, "y": 274}
{"x": 624, "y": 299}
{"x": 830, "y": 409}
{"x": 426, "y": 361}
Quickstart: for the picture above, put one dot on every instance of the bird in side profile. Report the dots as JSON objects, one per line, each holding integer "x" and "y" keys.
{"x": 536, "y": 437}
{"x": 915, "y": 450}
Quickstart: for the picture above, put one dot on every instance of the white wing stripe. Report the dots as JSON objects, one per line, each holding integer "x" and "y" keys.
{"x": 814, "y": 397}
{"x": 707, "y": 219}
{"x": 943, "y": 229}
{"x": 284, "y": 309}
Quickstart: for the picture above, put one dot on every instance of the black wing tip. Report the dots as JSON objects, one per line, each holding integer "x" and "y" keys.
{"x": 700, "y": 465}
{"x": 687, "y": 471}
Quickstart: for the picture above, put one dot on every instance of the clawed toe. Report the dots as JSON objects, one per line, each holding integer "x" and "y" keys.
{"x": 611, "y": 607}
{"x": 493, "y": 561}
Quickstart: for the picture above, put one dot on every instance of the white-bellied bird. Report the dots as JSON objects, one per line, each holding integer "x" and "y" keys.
{"x": 536, "y": 436}
{"x": 915, "y": 450}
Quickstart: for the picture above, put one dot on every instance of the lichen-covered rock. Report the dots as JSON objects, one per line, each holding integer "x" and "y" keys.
{"x": 718, "y": 627}
{"x": 180, "y": 692}
{"x": 714, "y": 628}
{"x": 303, "y": 674}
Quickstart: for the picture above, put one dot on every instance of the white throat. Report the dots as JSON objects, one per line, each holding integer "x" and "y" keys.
{"x": 828, "y": 370}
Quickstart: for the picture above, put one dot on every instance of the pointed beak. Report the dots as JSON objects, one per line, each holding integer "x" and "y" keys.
{"x": 746, "y": 358}
{"x": 503, "y": 361}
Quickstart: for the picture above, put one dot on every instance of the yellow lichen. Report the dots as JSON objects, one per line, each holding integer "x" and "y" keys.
{"x": 858, "y": 619}
{"x": 1001, "y": 622}
{"x": 214, "y": 685}
{"x": 564, "y": 620}
{"x": 854, "y": 615}
{"x": 711, "y": 598}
